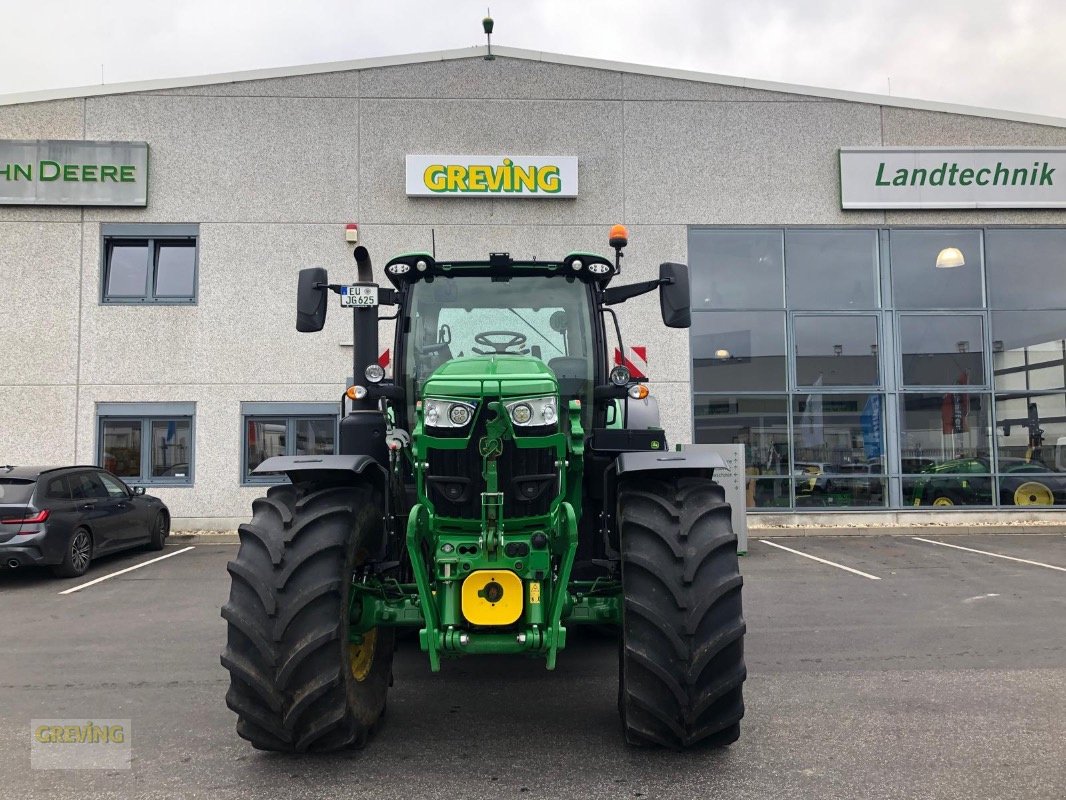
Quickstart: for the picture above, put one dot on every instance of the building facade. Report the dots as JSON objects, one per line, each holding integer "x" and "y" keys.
{"x": 863, "y": 376}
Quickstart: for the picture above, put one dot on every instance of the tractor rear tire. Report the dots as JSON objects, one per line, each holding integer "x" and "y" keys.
{"x": 296, "y": 682}
{"x": 681, "y": 666}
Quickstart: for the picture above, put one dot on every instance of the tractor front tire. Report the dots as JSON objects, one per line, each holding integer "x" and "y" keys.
{"x": 296, "y": 682}
{"x": 682, "y": 653}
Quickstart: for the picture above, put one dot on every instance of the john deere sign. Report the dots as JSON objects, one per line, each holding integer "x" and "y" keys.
{"x": 934, "y": 177}
{"x": 73, "y": 173}
{"x": 492, "y": 176}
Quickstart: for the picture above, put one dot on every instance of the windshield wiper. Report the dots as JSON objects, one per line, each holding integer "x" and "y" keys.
{"x": 532, "y": 328}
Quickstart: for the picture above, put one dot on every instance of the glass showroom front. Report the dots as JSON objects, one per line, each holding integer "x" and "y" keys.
{"x": 884, "y": 367}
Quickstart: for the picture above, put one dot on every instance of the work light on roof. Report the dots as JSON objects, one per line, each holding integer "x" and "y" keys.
{"x": 399, "y": 268}
{"x": 599, "y": 269}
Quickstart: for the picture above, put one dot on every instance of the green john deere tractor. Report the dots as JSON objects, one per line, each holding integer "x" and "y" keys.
{"x": 507, "y": 484}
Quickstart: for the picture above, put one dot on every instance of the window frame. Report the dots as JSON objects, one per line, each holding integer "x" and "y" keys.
{"x": 146, "y": 414}
{"x": 792, "y": 354}
{"x": 154, "y": 234}
{"x": 291, "y": 412}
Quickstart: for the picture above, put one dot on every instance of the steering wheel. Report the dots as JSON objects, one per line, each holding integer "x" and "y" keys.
{"x": 515, "y": 339}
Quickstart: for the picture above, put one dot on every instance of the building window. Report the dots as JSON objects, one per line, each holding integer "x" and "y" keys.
{"x": 149, "y": 263}
{"x": 147, "y": 443}
{"x": 906, "y": 367}
{"x": 285, "y": 429}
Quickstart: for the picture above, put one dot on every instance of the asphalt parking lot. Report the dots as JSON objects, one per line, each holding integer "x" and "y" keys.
{"x": 923, "y": 672}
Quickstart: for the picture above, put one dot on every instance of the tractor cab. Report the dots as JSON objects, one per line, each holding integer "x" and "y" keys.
{"x": 538, "y": 314}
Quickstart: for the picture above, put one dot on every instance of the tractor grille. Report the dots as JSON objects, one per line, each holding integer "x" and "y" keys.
{"x": 519, "y": 469}
{"x": 528, "y": 479}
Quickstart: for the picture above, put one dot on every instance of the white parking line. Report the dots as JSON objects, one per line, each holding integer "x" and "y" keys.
{"x": 127, "y": 569}
{"x": 822, "y": 560}
{"x": 986, "y": 553}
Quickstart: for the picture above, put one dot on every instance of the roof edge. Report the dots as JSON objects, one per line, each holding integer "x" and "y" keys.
{"x": 529, "y": 55}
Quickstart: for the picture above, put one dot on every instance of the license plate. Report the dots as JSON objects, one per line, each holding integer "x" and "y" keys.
{"x": 359, "y": 296}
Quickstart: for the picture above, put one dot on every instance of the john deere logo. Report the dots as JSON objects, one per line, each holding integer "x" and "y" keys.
{"x": 491, "y": 176}
{"x": 490, "y": 448}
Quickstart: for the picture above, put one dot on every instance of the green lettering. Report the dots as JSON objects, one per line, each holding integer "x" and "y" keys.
{"x": 88, "y": 172}
{"x": 880, "y": 175}
{"x": 43, "y": 173}
{"x": 966, "y": 177}
{"x": 916, "y": 172}
{"x": 70, "y": 172}
{"x": 108, "y": 171}
{"x": 1045, "y": 175}
{"x": 952, "y": 174}
{"x": 27, "y": 171}
{"x": 983, "y": 181}
{"x": 936, "y": 177}
{"x": 901, "y": 178}
{"x": 1021, "y": 174}
{"x": 125, "y": 173}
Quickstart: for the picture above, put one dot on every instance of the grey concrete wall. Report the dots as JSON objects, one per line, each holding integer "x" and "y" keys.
{"x": 271, "y": 169}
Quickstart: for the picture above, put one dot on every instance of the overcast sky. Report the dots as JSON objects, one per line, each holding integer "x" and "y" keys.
{"x": 1008, "y": 54}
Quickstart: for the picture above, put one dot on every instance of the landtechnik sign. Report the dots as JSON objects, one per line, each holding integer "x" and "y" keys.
{"x": 491, "y": 176}
{"x": 48, "y": 172}
{"x": 938, "y": 177}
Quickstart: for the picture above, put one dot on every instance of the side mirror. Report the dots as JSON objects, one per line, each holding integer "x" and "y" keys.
{"x": 138, "y": 490}
{"x": 674, "y": 295}
{"x": 311, "y": 300}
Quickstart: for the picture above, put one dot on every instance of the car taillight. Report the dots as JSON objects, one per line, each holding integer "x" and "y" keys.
{"x": 40, "y": 516}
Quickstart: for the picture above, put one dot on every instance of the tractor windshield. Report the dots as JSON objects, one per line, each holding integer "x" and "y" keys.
{"x": 543, "y": 317}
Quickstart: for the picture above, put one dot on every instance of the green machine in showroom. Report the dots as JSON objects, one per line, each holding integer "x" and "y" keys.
{"x": 501, "y": 488}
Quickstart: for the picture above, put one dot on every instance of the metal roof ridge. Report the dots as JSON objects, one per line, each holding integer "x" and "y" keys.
{"x": 268, "y": 73}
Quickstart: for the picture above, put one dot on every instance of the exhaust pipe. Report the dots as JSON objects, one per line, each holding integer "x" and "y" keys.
{"x": 365, "y": 331}
{"x": 13, "y": 563}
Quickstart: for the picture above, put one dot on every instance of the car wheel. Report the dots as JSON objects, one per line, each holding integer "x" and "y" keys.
{"x": 160, "y": 531}
{"x": 77, "y": 557}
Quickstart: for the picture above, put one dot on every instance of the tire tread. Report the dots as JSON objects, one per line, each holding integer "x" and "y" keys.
{"x": 682, "y": 658}
{"x": 284, "y": 651}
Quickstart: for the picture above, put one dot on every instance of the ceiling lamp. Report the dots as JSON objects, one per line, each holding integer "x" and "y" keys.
{"x": 950, "y": 257}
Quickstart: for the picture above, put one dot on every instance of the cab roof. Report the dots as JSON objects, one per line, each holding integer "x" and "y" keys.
{"x": 586, "y": 267}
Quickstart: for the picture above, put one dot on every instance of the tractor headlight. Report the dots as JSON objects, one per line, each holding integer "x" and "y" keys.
{"x": 532, "y": 412}
{"x": 375, "y": 373}
{"x": 459, "y": 415}
{"x": 620, "y": 376}
{"x": 447, "y": 413}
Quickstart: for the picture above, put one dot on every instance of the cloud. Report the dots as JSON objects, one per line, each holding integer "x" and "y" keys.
{"x": 979, "y": 52}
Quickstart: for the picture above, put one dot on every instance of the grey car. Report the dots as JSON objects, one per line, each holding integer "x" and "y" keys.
{"x": 64, "y": 517}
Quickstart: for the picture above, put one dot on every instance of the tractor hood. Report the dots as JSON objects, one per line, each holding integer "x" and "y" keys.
{"x": 500, "y": 376}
